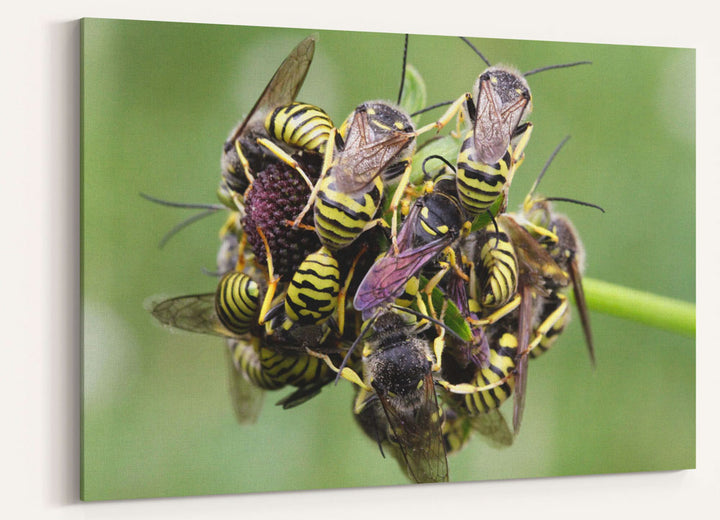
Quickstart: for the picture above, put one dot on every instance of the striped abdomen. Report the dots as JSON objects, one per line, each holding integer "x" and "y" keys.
{"x": 269, "y": 369}
{"x": 300, "y": 125}
{"x": 341, "y": 217}
{"x": 479, "y": 184}
{"x": 293, "y": 368}
{"x": 246, "y": 357}
{"x": 502, "y": 363}
{"x": 496, "y": 267}
{"x": 236, "y": 302}
{"x": 455, "y": 431}
{"x": 313, "y": 291}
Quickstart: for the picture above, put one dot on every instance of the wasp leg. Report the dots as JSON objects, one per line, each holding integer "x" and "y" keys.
{"x": 499, "y": 313}
{"x": 230, "y": 224}
{"x": 539, "y": 230}
{"x": 272, "y": 280}
{"x": 448, "y": 115}
{"x": 422, "y": 308}
{"x": 361, "y": 401}
{"x": 516, "y": 159}
{"x": 240, "y": 265}
{"x": 444, "y": 268}
{"x": 327, "y": 161}
{"x": 342, "y": 295}
{"x": 395, "y": 202}
{"x": 432, "y": 283}
{"x": 284, "y": 157}
{"x": 519, "y": 150}
{"x": 244, "y": 162}
{"x": 548, "y": 323}
{"x": 468, "y": 388}
{"x": 346, "y": 373}
{"x": 438, "y": 348}
{"x": 375, "y": 222}
{"x": 300, "y": 226}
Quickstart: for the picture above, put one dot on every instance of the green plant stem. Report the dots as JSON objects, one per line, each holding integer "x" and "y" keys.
{"x": 658, "y": 311}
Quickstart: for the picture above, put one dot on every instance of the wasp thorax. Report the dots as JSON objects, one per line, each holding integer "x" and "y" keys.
{"x": 508, "y": 84}
{"x": 275, "y": 198}
{"x": 384, "y": 116}
{"x": 440, "y": 215}
{"x": 400, "y": 367}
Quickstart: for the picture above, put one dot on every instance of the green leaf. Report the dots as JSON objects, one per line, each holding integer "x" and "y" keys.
{"x": 453, "y": 318}
{"x": 445, "y": 146}
{"x": 483, "y": 219}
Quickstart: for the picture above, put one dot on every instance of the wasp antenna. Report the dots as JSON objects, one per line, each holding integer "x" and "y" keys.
{"x": 188, "y": 205}
{"x": 404, "y": 66}
{"x": 431, "y": 107}
{"x": 575, "y": 201}
{"x": 559, "y": 66}
{"x": 182, "y": 225}
{"x": 427, "y": 175}
{"x": 547, "y": 164}
{"x": 476, "y": 51}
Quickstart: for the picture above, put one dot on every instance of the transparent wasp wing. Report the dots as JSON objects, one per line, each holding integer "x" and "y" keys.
{"x": 196, "y": 313}
{"x": 367, "y": 153}
{"x": 386, "y": 279}
{"x": 493, "y": 427}
{"x": 419, "y": 436}
{"x": 246, "y": 398}
{"x": 282, "y": 88}
{"x": 495, "y": 123}
{"x": 193, "y": 313}
{"x": 580, "y": 303}
{"x": 521, "y": 358}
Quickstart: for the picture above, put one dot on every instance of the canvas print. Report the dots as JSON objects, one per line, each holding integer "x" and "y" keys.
{"x": 331, "y": 259}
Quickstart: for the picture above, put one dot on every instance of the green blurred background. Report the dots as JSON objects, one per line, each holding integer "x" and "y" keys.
{"x": 159, "y": 99}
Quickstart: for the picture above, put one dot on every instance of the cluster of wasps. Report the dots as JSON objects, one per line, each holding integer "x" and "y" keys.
{"x": 430, "y": 299}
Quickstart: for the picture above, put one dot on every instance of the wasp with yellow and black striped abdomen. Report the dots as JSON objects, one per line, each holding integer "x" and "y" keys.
{"x": 374, "y": 145}
{"x": 232, "y": 312}
{"x": 493, "y": 147}
{"x": 278, "y": 136}
{"x": 275, "y": 118}
{"x": 348, "y": 195}
{"x": 547, "y": 259}
{"x": 494, "y": 278}
{"x": 557, "y": 234}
